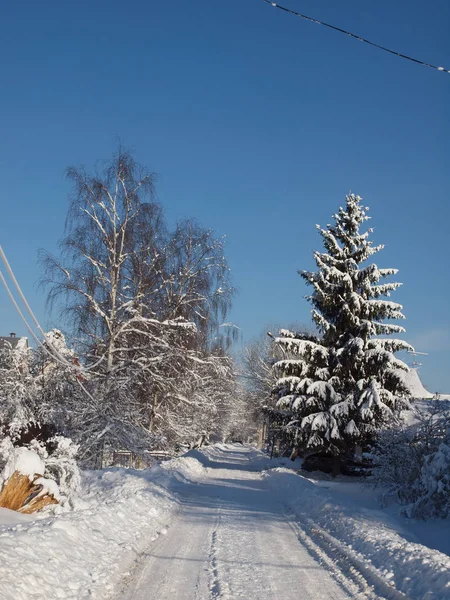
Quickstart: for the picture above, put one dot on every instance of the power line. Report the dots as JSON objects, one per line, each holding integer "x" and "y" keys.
{"x": 16, "y": 306}
{"x": 62, "y": 360}
{"x": 356, "y": 37}
{"x": 18, "y": 288}
{"x": 51, "y": 350}
{"x": 56, "y": 353}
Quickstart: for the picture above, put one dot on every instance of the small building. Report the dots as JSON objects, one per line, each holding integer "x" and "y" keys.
{"x": 12, "y": 342}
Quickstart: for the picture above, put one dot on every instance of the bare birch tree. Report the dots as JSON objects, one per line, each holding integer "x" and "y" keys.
{"x": 145, "y": 305}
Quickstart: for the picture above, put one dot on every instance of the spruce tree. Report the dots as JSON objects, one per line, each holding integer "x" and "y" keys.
{"x": 338, "y": 388}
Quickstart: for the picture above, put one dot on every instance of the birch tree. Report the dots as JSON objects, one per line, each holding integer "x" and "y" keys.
{"x": 143, "y": 304}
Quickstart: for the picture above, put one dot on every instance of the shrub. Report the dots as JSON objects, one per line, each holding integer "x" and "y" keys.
{"x": 412, "y": 462}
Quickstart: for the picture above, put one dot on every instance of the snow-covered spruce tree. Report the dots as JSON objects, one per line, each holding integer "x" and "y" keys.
{"x": 340, "y": 387}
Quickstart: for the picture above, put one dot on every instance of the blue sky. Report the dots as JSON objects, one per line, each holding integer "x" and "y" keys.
{"x": 258, "y": 124}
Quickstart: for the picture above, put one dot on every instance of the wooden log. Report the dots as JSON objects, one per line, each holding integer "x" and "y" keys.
{"x": 37, "y": 503}
{"x": 22, "y": 495}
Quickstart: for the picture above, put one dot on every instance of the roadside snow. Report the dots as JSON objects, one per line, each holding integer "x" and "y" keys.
{"x": 82, "y": 553}
{"x": 338, "y": 518}
{"x": 183, "y": 469}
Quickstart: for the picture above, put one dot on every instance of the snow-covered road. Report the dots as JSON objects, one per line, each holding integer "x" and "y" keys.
{"x": 232, "y": 539}
{"x": 222, "y": 523}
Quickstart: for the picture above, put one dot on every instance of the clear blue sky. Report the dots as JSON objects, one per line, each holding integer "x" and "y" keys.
{"x": 258, "y": 124}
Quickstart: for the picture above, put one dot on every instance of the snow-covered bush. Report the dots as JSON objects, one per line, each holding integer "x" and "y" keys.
{"x": 6, "y": 450}
{"x": 434, "y": 483}
{"x": 34, "y": 392}
{"x": 17, "y": 389}
{"x": 59, "y": 456}
{"x": 412, "y": 462}
{"x": 53, "y": 460}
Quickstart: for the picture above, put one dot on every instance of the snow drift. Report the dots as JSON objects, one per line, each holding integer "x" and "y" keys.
{"x": 82, "y": 553}
{"x": 364, "y": 537}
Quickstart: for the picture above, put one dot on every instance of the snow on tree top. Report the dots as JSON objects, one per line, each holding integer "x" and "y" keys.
{"x": 286, "y": 333}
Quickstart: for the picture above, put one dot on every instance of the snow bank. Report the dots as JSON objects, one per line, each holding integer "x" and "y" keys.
{"x": 412, "y": 381}
{"x": 194, "y": 465}
{"x": 184, "y": 469}
{"x": 416, "y": 388}
{"x": 343, "y": 525}
{"x": 82, "y": 553}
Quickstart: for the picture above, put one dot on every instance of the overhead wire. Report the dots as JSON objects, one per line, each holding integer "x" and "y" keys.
{"x": 17, "y": 307}
{"x": 28, "y": 307}
{"x": 18, "y": 288}
{"x": 48, "y": 347}
{"x": 356, "y": 37}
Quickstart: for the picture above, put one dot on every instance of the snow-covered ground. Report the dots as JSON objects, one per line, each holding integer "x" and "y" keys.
{"x": 340, "y": 520}
{"x": 221, "y": 524}
{"x": 82, "y": 553}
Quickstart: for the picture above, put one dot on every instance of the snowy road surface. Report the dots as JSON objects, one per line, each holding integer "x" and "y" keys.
{"x": 233, "y": 539}
{"x": 222, "y": 523}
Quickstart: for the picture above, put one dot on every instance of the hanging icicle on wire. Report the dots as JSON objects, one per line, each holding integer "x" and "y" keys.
{"x": 357, "y": 37}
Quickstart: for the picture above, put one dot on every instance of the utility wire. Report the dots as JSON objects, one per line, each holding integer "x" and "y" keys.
{"x": 27, "y": 325}
{"x": 356, "y": 37}
{"x": 22, "y": 296}
{"x": 56, "y": 353}
{"x": 16, "y": 306}
{"x": 28, "y": 307}
{"x": 51, "y": 350}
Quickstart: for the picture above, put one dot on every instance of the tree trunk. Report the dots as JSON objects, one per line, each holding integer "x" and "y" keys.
{"x": 336, "y": 466}
{"x": 294, "y": 453}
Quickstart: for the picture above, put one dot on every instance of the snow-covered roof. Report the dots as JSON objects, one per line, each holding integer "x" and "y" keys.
{"x": 416, "y": 388}
{"x": 14, "y": 342}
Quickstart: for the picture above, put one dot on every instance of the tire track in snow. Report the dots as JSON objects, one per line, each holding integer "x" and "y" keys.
{"x": 231, "y": 540}
{"x": 351, "y": 572}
